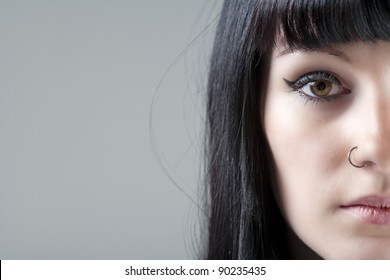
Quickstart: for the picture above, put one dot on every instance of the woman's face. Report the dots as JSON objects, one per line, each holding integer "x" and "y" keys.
{"x": 318, "y": 106}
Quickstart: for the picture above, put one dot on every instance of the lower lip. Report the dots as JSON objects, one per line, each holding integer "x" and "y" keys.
{"x": 372, "y": 215}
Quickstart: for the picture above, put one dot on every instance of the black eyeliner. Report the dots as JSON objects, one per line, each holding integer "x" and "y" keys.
{"x": 311, "y": 77}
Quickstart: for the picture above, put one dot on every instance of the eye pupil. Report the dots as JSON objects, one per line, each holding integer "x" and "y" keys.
{"x": 321, "y": 87}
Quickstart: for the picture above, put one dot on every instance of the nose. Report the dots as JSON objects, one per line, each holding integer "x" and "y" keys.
{"x": 374, "y": 128}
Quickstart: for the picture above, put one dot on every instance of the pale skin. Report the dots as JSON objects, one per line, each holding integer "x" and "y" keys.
{"x": 311, "y": 125}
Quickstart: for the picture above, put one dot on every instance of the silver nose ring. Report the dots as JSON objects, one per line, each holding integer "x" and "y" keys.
{"x": 350, "y": 161}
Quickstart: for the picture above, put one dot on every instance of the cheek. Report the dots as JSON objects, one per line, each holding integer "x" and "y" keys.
{"x": 307, "y": 159}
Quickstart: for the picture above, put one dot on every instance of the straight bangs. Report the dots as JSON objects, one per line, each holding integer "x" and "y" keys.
{"x": 317, "y": 24}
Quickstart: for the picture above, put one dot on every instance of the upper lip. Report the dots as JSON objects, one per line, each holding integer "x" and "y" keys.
{"x": 376, "y": 201}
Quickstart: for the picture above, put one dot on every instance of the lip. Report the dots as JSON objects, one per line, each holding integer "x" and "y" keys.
{"x": 372, "y": 209}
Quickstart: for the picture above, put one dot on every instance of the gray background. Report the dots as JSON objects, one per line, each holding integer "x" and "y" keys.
{"x": 84, "y": 174}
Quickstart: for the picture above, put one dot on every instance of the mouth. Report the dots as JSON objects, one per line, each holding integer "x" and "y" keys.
{"x": 371, "y": 209}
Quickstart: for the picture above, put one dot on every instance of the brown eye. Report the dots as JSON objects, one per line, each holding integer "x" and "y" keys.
{"x": 321, "y": 88}
{"x": 318, "y": 86}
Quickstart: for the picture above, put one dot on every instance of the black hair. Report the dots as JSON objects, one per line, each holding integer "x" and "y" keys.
{"x": 244, "y": 221}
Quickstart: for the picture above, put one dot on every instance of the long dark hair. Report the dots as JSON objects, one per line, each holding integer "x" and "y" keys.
{"x": 244, "y": 221}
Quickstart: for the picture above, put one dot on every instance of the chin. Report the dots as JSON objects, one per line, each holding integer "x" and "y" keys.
{"x": 374, "y": 253}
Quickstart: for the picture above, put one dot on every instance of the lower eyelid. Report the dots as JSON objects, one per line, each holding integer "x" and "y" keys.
{"x": 316, "y": 99}
{"x": 308, "y": 98}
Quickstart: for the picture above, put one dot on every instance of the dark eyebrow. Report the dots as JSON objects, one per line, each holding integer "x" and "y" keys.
{"x": 329, "y": 51}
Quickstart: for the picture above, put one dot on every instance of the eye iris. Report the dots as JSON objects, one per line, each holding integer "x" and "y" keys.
{"x": 321, "y": 87}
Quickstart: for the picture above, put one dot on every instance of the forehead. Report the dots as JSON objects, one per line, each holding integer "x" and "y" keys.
{"x": 353, "y": 60}
{"x": 337, "y": 51}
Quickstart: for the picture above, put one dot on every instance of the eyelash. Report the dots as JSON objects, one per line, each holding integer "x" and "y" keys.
{"x": 307, "y": 78}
